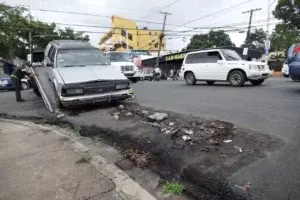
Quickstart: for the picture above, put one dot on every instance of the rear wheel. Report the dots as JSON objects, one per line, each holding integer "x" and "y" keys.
{"x": 24, "y": 86}
{"x": 257, "y": 82}
{"x": 210, "y": 82}
{"x": 57, "y": 100}
{"x": 190, "y": 78}
{"x": 237, "y": 78}
{"x": 295, "y": 79}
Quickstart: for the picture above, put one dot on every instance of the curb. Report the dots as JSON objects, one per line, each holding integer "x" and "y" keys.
{"x": 126, "y": 187}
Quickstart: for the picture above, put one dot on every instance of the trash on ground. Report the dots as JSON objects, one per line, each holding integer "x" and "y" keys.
{"x": 214, "y": 142}
{"x": 245, "y": 187}
{"x": 145, "y": 112}
{"x": 116, "y": 117}
{"x": 121, "y": 107}
{"x": 140, "y": 158}
{"x": 128, "y": 114}
{"x": 239, "y": 149}
{"x": 59, "y": 115}
{"x": 173, "y": 132}
{"x": 186, "y": 138}
{"x": 227, "y": 141}
{"x": 171, "y": 124}
{"x": 189, "y": 132}
{"x": 155, "y": 124}
{"x": 158, "y": 116}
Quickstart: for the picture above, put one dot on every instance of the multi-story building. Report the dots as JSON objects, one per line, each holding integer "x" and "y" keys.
{"x": 125, "y": 35}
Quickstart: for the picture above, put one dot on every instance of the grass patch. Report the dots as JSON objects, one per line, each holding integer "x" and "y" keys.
{"x": 174, "y": 188}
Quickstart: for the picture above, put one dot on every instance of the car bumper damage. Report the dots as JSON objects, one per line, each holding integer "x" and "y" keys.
{"x": 97, "y": 98}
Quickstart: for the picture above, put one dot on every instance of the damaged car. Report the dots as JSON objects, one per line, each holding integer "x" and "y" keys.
{"x": 81, "y": 74}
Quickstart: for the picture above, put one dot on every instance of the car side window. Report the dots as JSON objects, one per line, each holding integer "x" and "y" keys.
{"x": 196, "y": 58}
{"x": 52, "y": 54}
{"x": 213, "y": 57}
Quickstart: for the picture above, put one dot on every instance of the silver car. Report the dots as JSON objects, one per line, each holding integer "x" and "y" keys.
{"x": 81, "y": 74}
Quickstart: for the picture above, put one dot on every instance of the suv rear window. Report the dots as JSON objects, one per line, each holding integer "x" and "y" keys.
{"x": 80, "y": 57}
{"x": 203, "y": 57}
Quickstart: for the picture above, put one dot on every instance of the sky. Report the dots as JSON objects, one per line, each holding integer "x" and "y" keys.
{"x": 208, "y": 13}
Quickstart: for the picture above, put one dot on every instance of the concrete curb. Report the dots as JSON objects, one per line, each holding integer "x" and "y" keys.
{"x": 127, "y": 188}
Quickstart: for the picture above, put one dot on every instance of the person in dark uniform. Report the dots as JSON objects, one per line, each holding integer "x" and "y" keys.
{"x": 16, "y": 77}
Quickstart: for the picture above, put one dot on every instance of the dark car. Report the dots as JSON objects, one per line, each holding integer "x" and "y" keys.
{"x": 6, "y": 83}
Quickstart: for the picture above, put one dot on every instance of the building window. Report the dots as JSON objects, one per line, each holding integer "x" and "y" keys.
{"x": 150, "y": 33}
{"x": 123, "y": 32}
{"x": 130, "y": 36}
{"x": 156, "y": 45}
{"x": 150, "y": 44}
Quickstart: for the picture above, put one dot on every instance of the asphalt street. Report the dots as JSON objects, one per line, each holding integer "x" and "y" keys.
{"x": 271, "y": 108}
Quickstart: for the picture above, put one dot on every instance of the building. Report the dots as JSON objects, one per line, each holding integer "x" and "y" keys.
{"x": 126, "y": 34}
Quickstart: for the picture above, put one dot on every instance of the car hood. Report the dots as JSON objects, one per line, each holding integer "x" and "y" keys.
{"x": 119, "y": 64}
{"x": 89, "y": 73}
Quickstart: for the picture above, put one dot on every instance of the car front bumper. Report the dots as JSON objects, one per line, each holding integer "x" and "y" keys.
{"x": 97, "y": 98}
{"x": 256, "y": 75}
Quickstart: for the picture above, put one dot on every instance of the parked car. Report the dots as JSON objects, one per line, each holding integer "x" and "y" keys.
{"x": 6, "y": 83}
{"x": 285, "y": 69}
{"x": 222, "y": 65}
{"x": 80, "y": 74}
{"x": 123, "y": 61}
{"x": 294, "y": 62}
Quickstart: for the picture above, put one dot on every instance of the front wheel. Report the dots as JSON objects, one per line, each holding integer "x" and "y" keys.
{"x": 210, "y": 82}
{"x": 257, "y": 82}
{"x": 24, "y": 86}
{"x": 190, "y": 78}
{"x": 57, "y": 100}
{"x": 237, "y": 78}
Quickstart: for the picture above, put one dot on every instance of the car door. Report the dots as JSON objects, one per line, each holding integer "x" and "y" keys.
{"x": 195, "y": 62}
{"x": 214, "y": 66}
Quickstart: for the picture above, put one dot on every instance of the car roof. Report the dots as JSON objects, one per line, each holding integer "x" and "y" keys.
{"x": 72, "y": 44}
{"x": 207, "y": 50}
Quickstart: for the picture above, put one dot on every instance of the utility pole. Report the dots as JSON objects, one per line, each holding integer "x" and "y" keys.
{"x": 30, "y": 46}
{"x": 250, "y": 21}
{"x": 267, "y": 42}
{"x": 161, "y": 36}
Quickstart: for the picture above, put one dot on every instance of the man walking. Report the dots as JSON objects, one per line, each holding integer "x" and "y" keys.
{"x": 16, "y": 77}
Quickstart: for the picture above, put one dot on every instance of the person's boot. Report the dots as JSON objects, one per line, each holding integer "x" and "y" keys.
{"x": 20, "y": 100}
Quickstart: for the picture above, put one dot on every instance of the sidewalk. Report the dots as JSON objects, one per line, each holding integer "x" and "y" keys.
{"x": 38, "y": 163}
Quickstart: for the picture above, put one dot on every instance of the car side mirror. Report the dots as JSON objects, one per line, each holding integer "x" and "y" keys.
{"x": 49, "y": 65}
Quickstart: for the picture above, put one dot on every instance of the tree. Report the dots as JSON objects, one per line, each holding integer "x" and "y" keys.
{"x": 15, "y": 28}
{"x": 286, "y": 12}
{"x": 256, "y": 40}
{"x": 210, "y": 39}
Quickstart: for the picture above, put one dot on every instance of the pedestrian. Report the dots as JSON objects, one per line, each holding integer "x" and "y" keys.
{"x": 17, "y": 76}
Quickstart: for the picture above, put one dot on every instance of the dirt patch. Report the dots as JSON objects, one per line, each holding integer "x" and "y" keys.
{"x": 139, "y": 158}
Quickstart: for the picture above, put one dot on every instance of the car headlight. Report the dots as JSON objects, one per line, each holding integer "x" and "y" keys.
{"x": 75, "y": 91}
{"x": 122, "y": 86}
{"x": 253, "y": 67}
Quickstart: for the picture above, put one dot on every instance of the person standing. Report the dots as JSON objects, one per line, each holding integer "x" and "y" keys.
{"x": 17, "y": 76}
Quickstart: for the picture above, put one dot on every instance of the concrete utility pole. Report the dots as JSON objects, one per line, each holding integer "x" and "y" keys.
{"x": 267, "y": 42}
{"x": 161, "y": 36}
{"x": 250, "y": 21}
{"x": 30, "y": 46}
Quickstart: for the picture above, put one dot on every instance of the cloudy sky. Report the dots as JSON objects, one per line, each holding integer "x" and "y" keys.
{"x": 208, "y": 13}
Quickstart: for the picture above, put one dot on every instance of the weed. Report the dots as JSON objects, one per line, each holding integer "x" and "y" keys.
{"x": 174, "y": 188}
{"x": 85, "y": 159}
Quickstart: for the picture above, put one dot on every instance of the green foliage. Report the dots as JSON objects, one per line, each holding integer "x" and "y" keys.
{"x": 173, "y": 188}
{"x": 285, "y": 12}
{"x": 256, "y": 40}
{"x": 15, "y": 28}
{"x": 209, "y": 40}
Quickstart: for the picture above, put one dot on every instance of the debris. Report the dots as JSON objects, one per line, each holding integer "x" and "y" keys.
{"x": 116, "y": 117}
{"x": 171, "y": 124}
{"x": 121, "y": 107}
{"x": 145, "y": 112}
{"x": 116, "y": 113}
{"x": 173, "y": 132}
{"x": 239, "y": 149}
{"x": 202, "y": 128}
{"x": 189, "y": 132}
{"x": 227, "y": 141}
{"x": 245, "y": 187}
{"x": 140, "y": 158}
{"x": 186, "y": 138}
{"x": 158, "y": 116}
{"x": 128, "y": 114}
{"x": 59, "y": 114}
{"x": 163, "y": 130}
{"x": 214, "y": 142}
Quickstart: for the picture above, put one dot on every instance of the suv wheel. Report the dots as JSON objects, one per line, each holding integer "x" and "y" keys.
{"x": 57, "y": 100}
{"x": 24, "y": 86}
{"x": 210, "y": 82}
{"x": 237, "y": 78}
{"x": 190, "y": 78}
{"x": 257, "y": 82}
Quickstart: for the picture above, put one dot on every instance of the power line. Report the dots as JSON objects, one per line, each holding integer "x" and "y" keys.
{"x": 168, "y": 5}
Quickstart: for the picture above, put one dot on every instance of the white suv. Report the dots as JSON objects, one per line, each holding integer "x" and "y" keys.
{"x": 222, "y": 65}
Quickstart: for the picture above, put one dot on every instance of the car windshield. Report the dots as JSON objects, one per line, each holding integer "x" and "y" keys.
{"x": 80, "y": 57}
{"x": 119, "y": 57}
{"x": 231, "y": 55}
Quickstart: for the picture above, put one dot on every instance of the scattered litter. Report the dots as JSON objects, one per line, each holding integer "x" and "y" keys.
{"x": 140, "y": 158}
{"x": 173, "y": 132}
{"x": 227, "y": 141}
{"x": 59, "y": 114}
{"x": 121, "y": 107}
{"x": 171, "y": 124}
{"x": 186, "y": 138}
{"x": 116, "y": 117}
{"x": 245, "y": 187}
{"x": 202, "y": 128}
{"x": 163, "y": 130}
{"x": 158, "y": 116}
{"x": 189, "y": 132}
{"x": 214, "y": 142}
{"x": 155, "y": 124}
{"x": 128, "y": 114}
{"x": 239, "y": 149}
{"x": 145, "y": 112}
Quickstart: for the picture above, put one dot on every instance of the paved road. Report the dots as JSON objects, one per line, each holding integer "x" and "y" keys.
{"x": 272, "y": 108}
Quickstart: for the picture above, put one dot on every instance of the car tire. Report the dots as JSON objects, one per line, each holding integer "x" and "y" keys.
{"x": 210, "y": 82}
{"x": 237, "y": 78}
{"x": 257, "y": 82}
{"x": 24, "y": 86}
{"x": 190, "y": 78}
{"x": 294, "y": 79}
{"x": 285, "y": 76}
{"x": 57, "y": 100}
